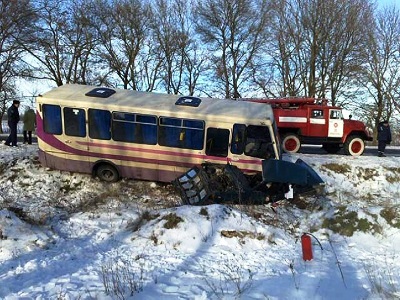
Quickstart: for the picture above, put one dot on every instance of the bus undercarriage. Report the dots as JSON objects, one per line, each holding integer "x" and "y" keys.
{"x": 279, "y": 180}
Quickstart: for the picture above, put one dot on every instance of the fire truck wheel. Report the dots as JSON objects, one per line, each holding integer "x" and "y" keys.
{"x": 354, "y": 146}
{"x": 291, "y": 143}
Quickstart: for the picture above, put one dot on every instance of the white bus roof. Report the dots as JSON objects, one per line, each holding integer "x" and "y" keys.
{"x": 162, "y": 104}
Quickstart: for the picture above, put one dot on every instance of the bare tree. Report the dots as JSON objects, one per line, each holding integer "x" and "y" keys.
{"x": 235, "y": 33}
{"x": 61, "y": 47}
{"x": 380, "y": 73}
{"x": 170, "y": 34}
{"x": 123, "y": 29}
{"x": 318, "y": 42}
{"x": 183, "y": 60}
{"x": 16, "y": 18}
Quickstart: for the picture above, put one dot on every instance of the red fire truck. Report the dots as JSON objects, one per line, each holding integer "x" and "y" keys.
{"x": 313, "y": 121}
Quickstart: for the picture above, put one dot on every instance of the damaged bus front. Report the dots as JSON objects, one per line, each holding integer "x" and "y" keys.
{"x": 227, "y": 183}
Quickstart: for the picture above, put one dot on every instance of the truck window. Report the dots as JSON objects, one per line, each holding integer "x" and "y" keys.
{"x": 317, "y": 113}
{"x": 336, "y": 114}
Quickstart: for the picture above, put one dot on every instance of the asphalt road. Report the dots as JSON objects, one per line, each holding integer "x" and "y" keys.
{"x": 369, "y": 150}
{"x": 306, "y": 149}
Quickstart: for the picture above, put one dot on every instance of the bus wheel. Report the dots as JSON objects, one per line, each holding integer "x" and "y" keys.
{"x": 354, "y": 146}
{"x": 107, "y": 173}
{"x": 291, "y": 143}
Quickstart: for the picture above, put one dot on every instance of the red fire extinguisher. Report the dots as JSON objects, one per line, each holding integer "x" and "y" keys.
{"x": 306, "y": 246}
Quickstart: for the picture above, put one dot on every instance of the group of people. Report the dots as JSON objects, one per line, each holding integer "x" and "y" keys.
{"x": 29, "y": 120}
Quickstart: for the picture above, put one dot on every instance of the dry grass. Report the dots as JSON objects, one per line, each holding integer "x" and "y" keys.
{"x": 172, "y": 221}
{"x": 337, "y": 168}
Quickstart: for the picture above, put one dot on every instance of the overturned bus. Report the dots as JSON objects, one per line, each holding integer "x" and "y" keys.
{"x": 202, "y": 145}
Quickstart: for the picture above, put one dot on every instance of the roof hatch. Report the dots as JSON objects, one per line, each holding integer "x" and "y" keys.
{"x": 188, "y": 101}
{"x": 100, "y": 92}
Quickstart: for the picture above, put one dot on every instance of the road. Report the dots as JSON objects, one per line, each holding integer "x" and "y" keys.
{"x": 306, "y": 149}
{"x": 369, "y": 150}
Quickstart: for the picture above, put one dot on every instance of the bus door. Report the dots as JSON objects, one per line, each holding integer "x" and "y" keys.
{"x": 336, "y": 123}
{"x": 75, "y": 134}
{"x": 64, "y": 141}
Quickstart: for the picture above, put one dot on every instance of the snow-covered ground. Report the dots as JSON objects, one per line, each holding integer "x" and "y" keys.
{"x": 69, "y": 236}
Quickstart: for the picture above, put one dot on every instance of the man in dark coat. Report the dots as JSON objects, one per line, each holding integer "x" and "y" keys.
{"x": 384, "y": 137}
{"x": 13, "y": 119}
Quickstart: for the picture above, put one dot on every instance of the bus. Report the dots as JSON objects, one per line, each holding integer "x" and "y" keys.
{"x": 113, "y": 133}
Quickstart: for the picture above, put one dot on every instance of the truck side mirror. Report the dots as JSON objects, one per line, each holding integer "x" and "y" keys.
{"x": 350, "y": 116}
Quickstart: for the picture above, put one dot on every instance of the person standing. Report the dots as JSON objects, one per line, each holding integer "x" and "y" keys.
{"x": 29, "y": 119}
{"x": 13, "y": 119}
{"x": 384, "y": 137}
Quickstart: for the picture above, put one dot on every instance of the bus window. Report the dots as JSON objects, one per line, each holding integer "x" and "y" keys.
{"x": 74, "y": 122}
{"x": 217, "y": 142}
{"x": 52, "y": 119}
{"x": 181, "y": 133}
{"x": 99, "y": 124}
{"x": 238, "y": 135}
{"x": 258, "y": 142}
{"x": 134, "y": 128}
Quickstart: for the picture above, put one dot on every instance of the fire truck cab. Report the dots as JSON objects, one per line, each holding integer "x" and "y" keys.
{"x": 313, "y": 121}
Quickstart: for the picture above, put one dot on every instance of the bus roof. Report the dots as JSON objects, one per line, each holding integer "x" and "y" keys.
{"x": 162, "y": 104}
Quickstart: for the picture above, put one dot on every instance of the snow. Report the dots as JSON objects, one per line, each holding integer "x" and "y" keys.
{"x": 69, "y": 236}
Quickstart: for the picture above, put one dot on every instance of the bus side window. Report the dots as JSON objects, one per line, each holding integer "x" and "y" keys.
{"x": 99, "y": 124}
{"x": 147, "y": 129}
{"x": 123, "y": 127}
{"x": 74, "y": 122}
{"x": 181, "y": 133}
{"x": 238, "y": 136}
{"x": 52, "y": 119}
{"x": 194, "y": 134}
{"x": 258, "y": 142}
{"x": 217, "y": 142}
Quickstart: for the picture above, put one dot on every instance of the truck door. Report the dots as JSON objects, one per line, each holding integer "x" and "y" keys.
{"x": 317, "y": 122}
{"x": 335, "y": 129}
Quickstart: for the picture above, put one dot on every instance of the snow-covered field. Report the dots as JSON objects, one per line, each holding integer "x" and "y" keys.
{"x": 69, "y": 236}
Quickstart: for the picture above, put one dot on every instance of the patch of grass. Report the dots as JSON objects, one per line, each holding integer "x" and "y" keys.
{"x": 393, "y": 178}
{"x": 367, "y": 173}
{"x": 241, "y": 234}
{"x": 337, "y": 168}
{"x": 33, "y": 219}
{"x": 346, "y": 222}
{"x": 143, "y": 218}
{"x": 393, "y": 169}
{"x": 391, "y": 215}
{"x": 204, "y": 212}
{"x": 172, "y": 221}
{"x": 68, "y": 187}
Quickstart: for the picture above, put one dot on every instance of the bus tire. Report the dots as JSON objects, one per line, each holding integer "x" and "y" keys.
{"x": 107, "y": 172}
{"x": 291, "y": 143}
{"x": 354, "y": 146}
